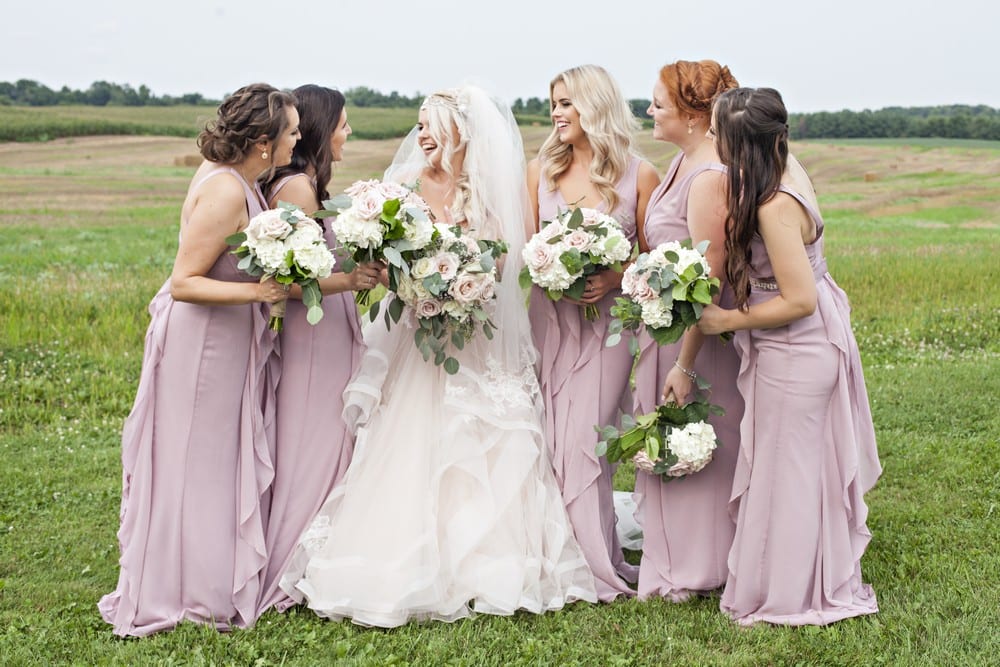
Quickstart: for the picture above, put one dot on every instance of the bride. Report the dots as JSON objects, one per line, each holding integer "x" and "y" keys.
{"x": 450, "y": 507}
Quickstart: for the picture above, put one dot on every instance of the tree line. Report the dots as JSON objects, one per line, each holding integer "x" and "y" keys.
{"x": 956, "y": 121}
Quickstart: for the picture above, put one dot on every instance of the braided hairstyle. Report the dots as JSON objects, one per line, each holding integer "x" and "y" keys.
{"x": 251, "y": 114}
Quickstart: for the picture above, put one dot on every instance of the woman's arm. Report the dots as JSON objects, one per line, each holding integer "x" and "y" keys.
{"x": 218, "y": 211}
{"x": 706, "y": 222}
{"x": 299, "y": 191}
{"x": 784, "y": 226}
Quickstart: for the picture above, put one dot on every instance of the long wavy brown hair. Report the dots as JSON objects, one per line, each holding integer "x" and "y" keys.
{"x": 320, "y": 110}
{"x": 751, "y": 129}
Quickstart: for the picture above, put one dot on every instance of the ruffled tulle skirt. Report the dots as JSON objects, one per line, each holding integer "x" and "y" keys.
{"x": 449, "y": 507}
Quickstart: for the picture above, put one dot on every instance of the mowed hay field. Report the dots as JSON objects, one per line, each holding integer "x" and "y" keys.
{"x": 89, "y": 228}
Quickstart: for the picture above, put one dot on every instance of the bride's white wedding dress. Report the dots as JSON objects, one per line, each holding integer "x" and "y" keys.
{"x": 450, "y": 506}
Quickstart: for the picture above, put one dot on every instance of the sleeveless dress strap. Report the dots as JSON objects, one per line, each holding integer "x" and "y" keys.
{"x": 813, "y": 213}
{"x": 285, "y": 180}
{"x": 253, "y": 194}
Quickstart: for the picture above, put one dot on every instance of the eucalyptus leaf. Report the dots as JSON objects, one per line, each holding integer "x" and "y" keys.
{"x": 314, "y": 314}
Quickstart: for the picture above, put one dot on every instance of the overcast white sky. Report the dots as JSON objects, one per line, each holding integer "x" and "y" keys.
{"x": 846, "y": 54}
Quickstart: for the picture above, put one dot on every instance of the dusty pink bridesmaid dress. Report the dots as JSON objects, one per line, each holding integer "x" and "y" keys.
{"x": 312, "y": 444}
{"x": 686, "y": 527}
{"x": 807, "y": 456}
{"x": 196, "y": 463}
{"x": 585, "y": 384}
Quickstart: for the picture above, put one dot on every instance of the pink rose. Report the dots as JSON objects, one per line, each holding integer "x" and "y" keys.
{"x": 360, "y": 188}
{"x": 428, "y": 308}
{"x": 368, "y": 205}
{"x": 639, "y": 288}
{"x": 487, "y": 285}
{"x": 578, "y": 239}
{"x": 539, "y": 256}
{"x": 465, "y": 289}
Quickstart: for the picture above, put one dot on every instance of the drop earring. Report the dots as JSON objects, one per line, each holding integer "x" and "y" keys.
{"x": 263, "y": 155}
{"x": 690, "y": 130}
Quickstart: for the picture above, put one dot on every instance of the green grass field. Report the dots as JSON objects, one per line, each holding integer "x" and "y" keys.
{"x": 89, "y": 231}
{"x": 44, "y": 123}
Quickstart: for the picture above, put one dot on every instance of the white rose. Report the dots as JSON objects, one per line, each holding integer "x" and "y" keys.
{"x": 422, "y": 268}
{"x": 446, "y": 263}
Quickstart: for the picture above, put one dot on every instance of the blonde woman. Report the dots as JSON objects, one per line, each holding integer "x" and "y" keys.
{"x": 589, "y": 160}
{"x": 449, "y": 507}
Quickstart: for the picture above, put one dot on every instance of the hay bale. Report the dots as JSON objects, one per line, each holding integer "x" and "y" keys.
{"x": 870, "y": 176}
{"x": 188, "y": 160}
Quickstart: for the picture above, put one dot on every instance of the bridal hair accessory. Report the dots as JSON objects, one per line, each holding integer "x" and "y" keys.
{"x": 455, "y": 102}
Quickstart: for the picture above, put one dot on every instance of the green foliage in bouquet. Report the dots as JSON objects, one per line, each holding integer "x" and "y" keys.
{"x": 649, "y": 434}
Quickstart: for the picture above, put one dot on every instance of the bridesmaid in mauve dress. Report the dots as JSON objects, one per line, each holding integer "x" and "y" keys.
{"x": 807, "y": 445}
{"x": 312, "y": 446}
{"x": 686, "y": 527}
{"x": 587, "y": 161}
{"x": 195, "y": 457}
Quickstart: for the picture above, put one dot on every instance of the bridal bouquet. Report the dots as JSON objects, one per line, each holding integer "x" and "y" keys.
{"x": 448, "y": 287}
{"x": 379, "y": 222}
{"x": 671, "y": 442}
{"x": 567, "y": 249}
{"x": 287, "y": 245}
{"x": 665, "y": 291}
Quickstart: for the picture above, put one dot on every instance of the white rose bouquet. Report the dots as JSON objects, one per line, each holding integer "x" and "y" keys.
{"x": 665, "y": 291}
{"x": 379, "y": 222}
{"x": 567, "y": 249}
{"x": 671, "y": 442}
{"x": 286, "y": 244}
{"x": 449, "y": 285}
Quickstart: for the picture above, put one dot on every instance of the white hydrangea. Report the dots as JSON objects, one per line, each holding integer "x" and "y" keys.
{"x": 353, "y": 229}
{"x": 316, "y": 260}
{"x": 657, "y": 314}
{"x": 271, "y": 254}
{"x": 307, "y": 233}
{"x": 693, "y": 445}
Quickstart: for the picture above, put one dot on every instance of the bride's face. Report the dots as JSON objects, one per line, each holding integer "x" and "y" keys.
{"x": 425, "y": 139}
{"x": 432, "y": 140}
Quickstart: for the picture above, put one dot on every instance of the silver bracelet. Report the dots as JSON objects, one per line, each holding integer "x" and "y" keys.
{"x": 690, "y": 373}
